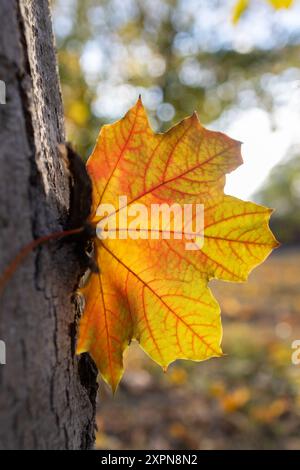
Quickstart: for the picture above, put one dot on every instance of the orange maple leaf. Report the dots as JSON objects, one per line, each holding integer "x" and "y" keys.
{"x": 153, "y": 289}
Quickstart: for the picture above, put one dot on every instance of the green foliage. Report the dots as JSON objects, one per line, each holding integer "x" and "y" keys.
{"x": 282, "y": 191}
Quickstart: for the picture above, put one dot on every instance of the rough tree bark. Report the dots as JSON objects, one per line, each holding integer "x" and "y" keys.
{"x": 47, "y": 395}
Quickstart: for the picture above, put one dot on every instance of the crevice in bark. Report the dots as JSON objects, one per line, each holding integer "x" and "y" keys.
{"x": 25, "y": 91}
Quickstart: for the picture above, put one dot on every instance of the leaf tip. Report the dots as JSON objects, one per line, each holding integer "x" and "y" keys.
{"x": 139, "y": 100}
{"x": 194, "y": 120}
{"x": 195, "y": 117}
{"x": 276, "y": 244}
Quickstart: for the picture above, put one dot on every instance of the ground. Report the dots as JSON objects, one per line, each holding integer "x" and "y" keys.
{"x": 249, "y": 399}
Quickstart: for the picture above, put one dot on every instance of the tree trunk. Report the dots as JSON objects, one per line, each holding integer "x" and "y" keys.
{"x": 47, "y": 394}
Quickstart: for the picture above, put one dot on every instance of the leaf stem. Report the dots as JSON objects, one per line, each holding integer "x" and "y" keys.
{"x": 24, "y": 252}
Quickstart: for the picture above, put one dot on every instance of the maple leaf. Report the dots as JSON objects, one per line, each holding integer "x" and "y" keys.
{"x": 155, "y": 290}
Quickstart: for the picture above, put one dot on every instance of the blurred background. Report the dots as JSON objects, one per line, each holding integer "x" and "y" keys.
{"x": 242, "y": 78}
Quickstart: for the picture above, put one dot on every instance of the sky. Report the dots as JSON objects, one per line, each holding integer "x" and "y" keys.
{"x": 262, "y": 149}
{"x": 263, "y": 144}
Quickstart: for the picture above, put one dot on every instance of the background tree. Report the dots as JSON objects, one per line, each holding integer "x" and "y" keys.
{"x": 282, "y": 188}
{"x": 47, "y": 395}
